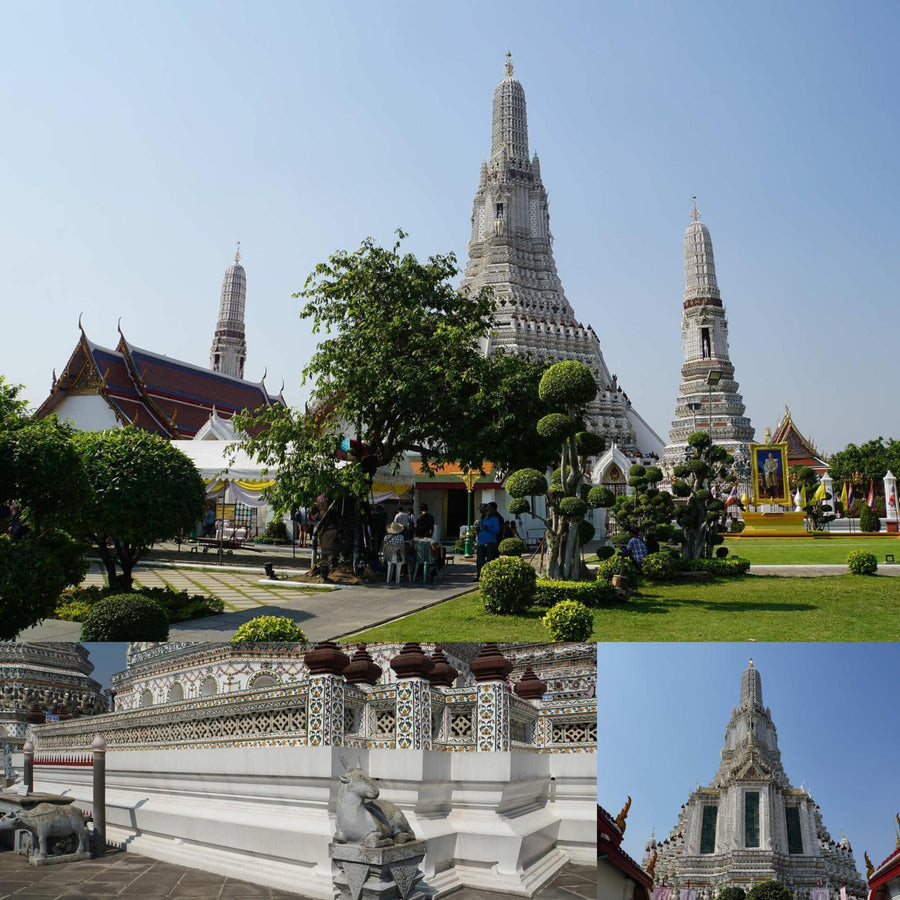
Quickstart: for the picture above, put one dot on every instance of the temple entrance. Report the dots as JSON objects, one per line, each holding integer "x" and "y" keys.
{"x": 456, "y": 513}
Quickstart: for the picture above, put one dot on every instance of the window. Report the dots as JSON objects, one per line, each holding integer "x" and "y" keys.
{"x": 708, "y": 829}
{"x": 499, "y": 211}
{"x": 794, "y": 834}
{"x": 705, "y": 346}
{"x": 751, "y": 819}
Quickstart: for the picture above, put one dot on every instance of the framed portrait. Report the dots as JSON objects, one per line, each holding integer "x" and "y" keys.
{"x": 769, "y": 466}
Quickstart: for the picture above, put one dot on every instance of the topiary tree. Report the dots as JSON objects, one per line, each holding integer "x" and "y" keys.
{"x": 126, "y": 617}
{"x": 647, "y": 508}
{"x": 141, "y": 490}
{"x": 269, "y": 628}
{"x": 769, "y": 890}
{"x": 569, "y": 620}
{"x": 511, "y": 547}
{"x": 571, "y": 386}
{"x": 702, "y": 516}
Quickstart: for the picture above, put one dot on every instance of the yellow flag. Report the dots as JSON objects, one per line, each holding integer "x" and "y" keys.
{"x": 844, "y": 497}
{"x": 820, "y": 493}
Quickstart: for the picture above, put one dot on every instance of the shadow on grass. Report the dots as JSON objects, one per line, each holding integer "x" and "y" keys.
{"x": 646, "y": 602}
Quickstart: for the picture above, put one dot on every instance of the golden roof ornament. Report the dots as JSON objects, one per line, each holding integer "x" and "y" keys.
{"x": 651, "y": 868}
{"x": 623, "y": 815}
{"x": 869, "y": 867}
{"x": 509, "y": 65}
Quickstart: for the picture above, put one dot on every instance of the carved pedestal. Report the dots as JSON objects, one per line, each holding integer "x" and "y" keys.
{"x": 380, "y": 873}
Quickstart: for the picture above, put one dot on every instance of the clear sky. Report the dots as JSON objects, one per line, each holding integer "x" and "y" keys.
{"x": 663, "y": 709}
{"x": 141, "y": 140}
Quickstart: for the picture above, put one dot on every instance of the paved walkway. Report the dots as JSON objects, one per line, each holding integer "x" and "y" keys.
{"x": 814, "y": 571}
{"x": 321, "y": 613}
{"x": 121, "y": 874}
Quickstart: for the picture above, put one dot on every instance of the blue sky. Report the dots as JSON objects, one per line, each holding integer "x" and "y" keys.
{"x": 663, "y": 709}
{"x": 143, "y": 140}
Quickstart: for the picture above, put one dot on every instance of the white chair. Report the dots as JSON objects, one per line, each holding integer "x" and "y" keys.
{"x": 396, "y": 563}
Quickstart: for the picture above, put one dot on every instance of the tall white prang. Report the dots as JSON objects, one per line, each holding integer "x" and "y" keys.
{"x": 229, "y": 347}
{"x": 511, "y": 251}
{"x": 705, "y": 403}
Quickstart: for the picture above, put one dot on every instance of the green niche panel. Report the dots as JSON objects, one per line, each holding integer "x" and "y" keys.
{"x": 794, "y": 835}
{"x": 708, "y": 829}
{"x": 751, "y": 819}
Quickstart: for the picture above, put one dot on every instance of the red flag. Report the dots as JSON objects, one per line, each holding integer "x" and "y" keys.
{"x": 849, "y": 499}
{"x": 870, "y": 500}
{"x": 732, "y": 497}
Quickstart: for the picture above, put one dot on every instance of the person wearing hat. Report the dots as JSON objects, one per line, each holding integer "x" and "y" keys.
{"x": 394, "y": 545}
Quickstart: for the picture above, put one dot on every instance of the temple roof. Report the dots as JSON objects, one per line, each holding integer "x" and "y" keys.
{"x": 801, "y": 450}
{"x": 609, "y": 839}
{"x": 166, "y": 396}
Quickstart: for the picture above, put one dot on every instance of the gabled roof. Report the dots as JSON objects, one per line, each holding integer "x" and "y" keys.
{"x": 151, "y": 391}
{"x": 801, "y": 451}
{"x": 609, "y": 840}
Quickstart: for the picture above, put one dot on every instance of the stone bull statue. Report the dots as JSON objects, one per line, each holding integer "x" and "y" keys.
{"x": 48, "y": 820}
{"x": 362, "y": 820}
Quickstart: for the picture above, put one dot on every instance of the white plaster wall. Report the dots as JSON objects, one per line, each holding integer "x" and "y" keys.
{"x": 494, "y": 821}
{"x": 612, "y": 884}
{"x": 87, "y": 412}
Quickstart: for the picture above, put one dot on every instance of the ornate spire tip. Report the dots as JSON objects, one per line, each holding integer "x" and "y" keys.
{"x": 695, "y": 213}
{"x": 509, "y": 65}
{"x": 237, "y": 253}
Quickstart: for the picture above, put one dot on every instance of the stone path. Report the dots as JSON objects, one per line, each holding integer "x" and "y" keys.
{"x": 121, "y": 874}
{"x": 322, "y": 614}
{"x": 814, "y": 571}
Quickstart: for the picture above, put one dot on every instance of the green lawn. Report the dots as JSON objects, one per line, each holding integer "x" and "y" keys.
{"x": 808, "y": 551}
{"x": 840, "y": 608}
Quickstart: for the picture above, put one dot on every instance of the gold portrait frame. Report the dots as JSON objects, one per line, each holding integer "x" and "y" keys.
{"x": 773, "y": 486}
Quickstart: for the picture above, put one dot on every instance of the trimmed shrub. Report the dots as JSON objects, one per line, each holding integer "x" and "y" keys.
{"x": 268, "y": 628}
{"x": 556, "y": 427}
{"x": 590, "y": 593}
{"x": 601, "y": 496}
{"x": 616, "y": 565}
{"x": 862, "y": 562}
{"x": 567, "y": 382}
{"x": 586, "y": 531}
{"x": 573, "y": 506}
{"x": 733, "y": 567}
{"x": 507, "y": 586}
{"x": 526, "y": 483}
{"x": 868, "y": 520}
{"x": 512, "y": 546}
{"x": 76, "y": 604}
{"x": 605, "y": 552}
{"x": 721, "y": 552}
{"x": 518, "y": 505}
{"x": 589, "y": 444}
{"x": 660, "y": 566}
{"x": 126, "y": 617}
{"x": 569, "y": 621}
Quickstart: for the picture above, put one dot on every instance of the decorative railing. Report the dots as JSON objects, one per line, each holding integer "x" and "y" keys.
{"x": 370, "y": 718}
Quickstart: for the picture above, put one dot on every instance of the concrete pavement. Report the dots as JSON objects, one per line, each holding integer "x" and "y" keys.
{"x": 321, "y": 612}
{"x": 128, "y": 875}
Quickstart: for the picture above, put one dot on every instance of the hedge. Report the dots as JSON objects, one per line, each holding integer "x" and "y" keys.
{"x": 590, "y": 593}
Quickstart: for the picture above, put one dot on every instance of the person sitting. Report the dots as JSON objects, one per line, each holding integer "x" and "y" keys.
{"x": 635, "y": 549}
{"x": 393, "y": 548}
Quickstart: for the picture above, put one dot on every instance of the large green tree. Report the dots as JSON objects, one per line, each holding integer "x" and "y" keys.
{"x": 41, "y": 474}
{"x": 568, "y": 387}
{"x": 866, "y": 463}
{"x": 141, "y": 490}
{"x": 398, "y": 367}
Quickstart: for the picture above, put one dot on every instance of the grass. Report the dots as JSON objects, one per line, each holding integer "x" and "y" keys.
{"x": 760, "y": 608}
{"x": 808, "y": 551}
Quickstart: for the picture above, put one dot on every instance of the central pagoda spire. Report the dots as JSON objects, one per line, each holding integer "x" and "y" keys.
{"x": 511, "y": 251}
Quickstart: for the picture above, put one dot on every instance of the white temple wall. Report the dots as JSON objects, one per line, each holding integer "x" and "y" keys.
{"x": 492, "y": 820}
{"x": 87, "y": 412}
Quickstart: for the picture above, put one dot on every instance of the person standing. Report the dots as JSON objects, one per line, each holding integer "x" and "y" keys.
{"x": 425, "y": 522}
{"x": 487, "y": 530}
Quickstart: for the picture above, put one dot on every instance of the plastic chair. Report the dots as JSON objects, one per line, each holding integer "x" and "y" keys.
{"x": 396, "y": 562}
{"x": 424, "y": 561}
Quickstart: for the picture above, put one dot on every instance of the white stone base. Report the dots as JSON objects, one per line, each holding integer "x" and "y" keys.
{"x": 504, "y": 821}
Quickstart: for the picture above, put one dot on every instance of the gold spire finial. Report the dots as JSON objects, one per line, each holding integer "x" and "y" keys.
{"x": 695, "y": 213}
{"x": 509, "y": 65}
{"x": 237, "y": 253}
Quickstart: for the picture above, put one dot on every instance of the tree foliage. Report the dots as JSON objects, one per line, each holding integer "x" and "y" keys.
{"x": 818, "y": 512}
{"x": 398, "y": 367}
{"x": 863, "y": 464}
{"x": 41, "y": 474}
{"x": 647, "y": 508}
{"x": 702, "y": 516}
{"x": 141, "y": 490}
{"x": 769, "y": 890}
{"x": 570, "y": 385}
